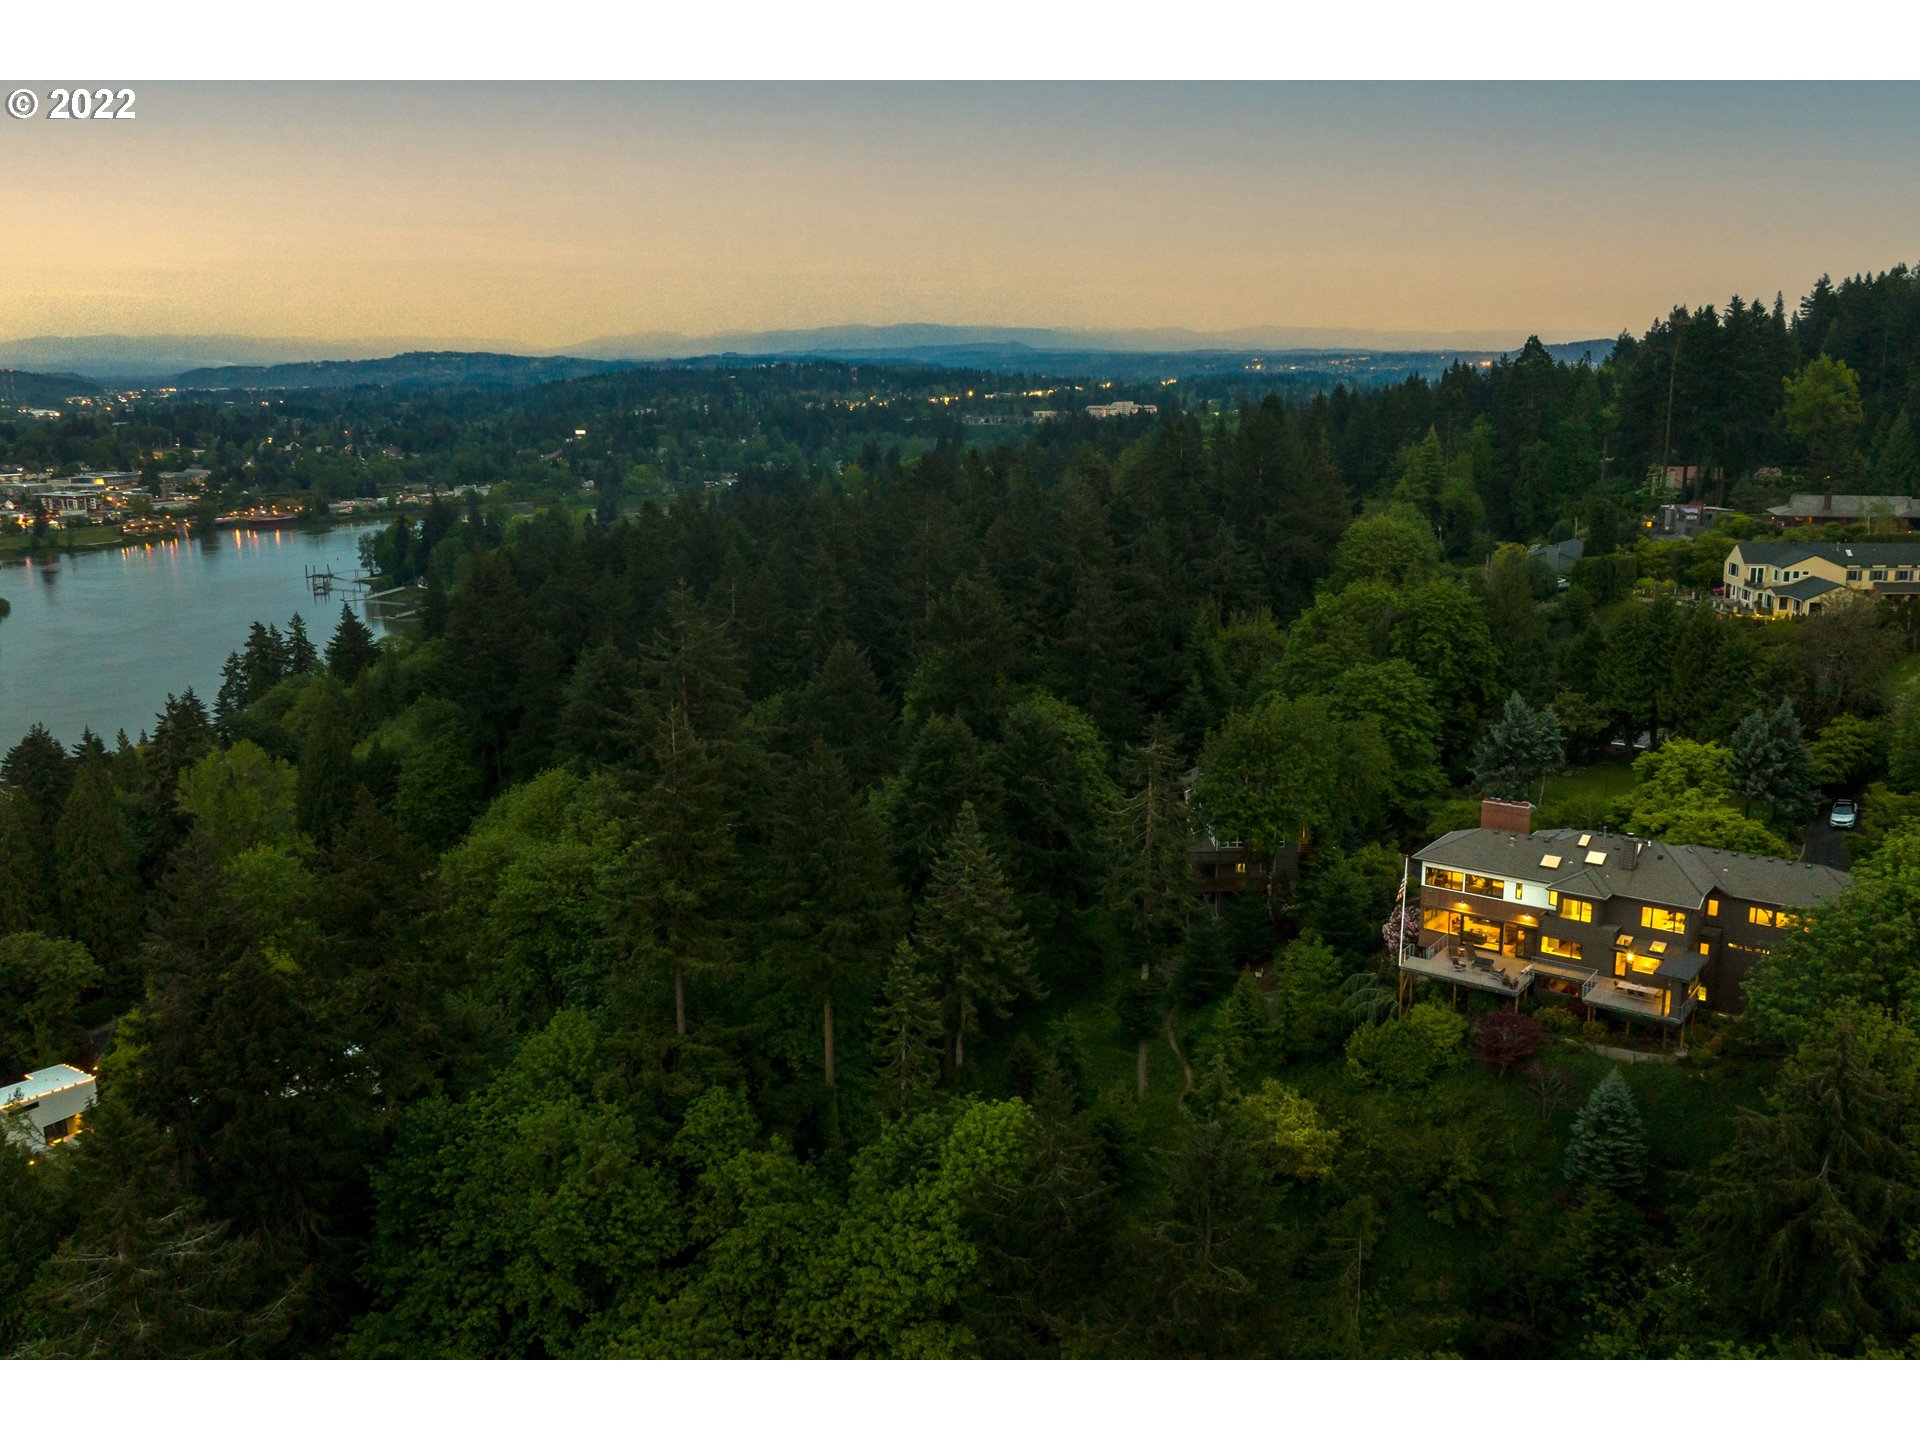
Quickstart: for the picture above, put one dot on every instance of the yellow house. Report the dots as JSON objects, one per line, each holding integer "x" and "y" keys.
{"x": 1783, "y": 578}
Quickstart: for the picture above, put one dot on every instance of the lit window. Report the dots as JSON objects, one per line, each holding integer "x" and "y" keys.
{"x": 1240, "y": 867}
{"x": 1655, "y": 918}
{"x": 1572, "y": 909}
{"x": 1443, "y": 879}
{"x": 1485, "y": 885}
{"x": 1702, "y": 947}
{"x": 1760, "y": 915}
{"x": 1554, "y": 945}
{"x": 1713, "y": 907}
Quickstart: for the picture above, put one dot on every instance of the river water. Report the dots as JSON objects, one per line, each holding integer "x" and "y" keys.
{"x": 99, "y": 640}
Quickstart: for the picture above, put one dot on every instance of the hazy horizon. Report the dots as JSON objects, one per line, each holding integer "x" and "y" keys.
{"x": 541, "y": 218}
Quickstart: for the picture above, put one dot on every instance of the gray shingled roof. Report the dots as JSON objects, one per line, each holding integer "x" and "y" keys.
{"x": 1806, "y": 589}
{"x": 1847, "y": 507}
{"x": 1838, "y": 552}
{"x": 1674, "y": 876}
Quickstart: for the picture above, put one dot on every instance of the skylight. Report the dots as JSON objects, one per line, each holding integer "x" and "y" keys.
{"x": 1596, "y": 857}
{"x": 1549, "y": 862}
{"x": 1585, "y": 840}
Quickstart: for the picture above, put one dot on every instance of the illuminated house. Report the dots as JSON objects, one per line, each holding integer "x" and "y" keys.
{"x": 1635, "y": 928}
{"x": 47, "y": 1107}
{"x": 1787, "y": 578}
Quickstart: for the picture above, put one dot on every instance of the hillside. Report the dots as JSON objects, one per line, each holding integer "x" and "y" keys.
{"x": 24, "y": 389}
{"x": 416, "y": 370}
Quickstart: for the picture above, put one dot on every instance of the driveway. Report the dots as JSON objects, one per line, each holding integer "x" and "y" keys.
{"x": 1826, "y": 845}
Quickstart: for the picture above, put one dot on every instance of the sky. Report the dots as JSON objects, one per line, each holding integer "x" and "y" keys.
{"x": 538, "y": 216}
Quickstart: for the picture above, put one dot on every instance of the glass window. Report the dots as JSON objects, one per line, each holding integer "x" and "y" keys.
{"x": 1713, "y": 907}
{"x": 1484, "y": 933}
{"x": 1853, "y": 574}
{"x": 1655, "y": 918}
{"x": 1554, "y": 945}
{"x": 1903, "y": 575}
{"x": 1760, "y": 915}
{"x": 1485, "y": 885}
{"x": 1444, "y": 879}
{"x": 1702, "y": 948}
{"x": 1879, "y": 575}
{"x": 1572, "y": 909}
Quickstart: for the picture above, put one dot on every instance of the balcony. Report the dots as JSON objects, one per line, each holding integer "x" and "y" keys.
{"x": 1635, "y": 1000}
{"x": 1470, "y": 965}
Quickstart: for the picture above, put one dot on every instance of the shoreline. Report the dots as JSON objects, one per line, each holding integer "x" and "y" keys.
{"x": 103, "y": 538}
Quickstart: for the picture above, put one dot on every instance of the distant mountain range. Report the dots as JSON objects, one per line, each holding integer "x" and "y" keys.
{"x": 249, "y": 362}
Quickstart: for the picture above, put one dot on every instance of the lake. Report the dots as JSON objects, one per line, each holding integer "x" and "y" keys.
{"x": 98, "y": 640}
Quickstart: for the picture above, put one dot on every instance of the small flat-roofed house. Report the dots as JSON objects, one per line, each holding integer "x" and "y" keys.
{"x": 47, "y": 1107}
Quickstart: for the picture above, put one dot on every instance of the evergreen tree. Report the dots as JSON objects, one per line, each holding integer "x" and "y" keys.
{"x": 1808, "y": 1219}
{"x": 327, "y": 775}
{"x": 695, "y": 664}
{"x": 263, "y": 662}
{"x": 96, "y": 871}
{"x": 1608, "y": 1145}
{"x": 836, "y": 910}
{"x": 352, "y": 648}
{"x": 231, "y": 698}
{"x": 1150, "y": 880}
{"x": 301, "y": 657}
{"x": 597, "y": 706}
{"x": 23, "y": 883}
{"x": 906, "y": 1032}
{"x": 682, "y": 874}
{"x": 1771, "y": 765}
{"x": 1519, "y": 750}
{"x": 843, "y": 705}
{"x": 146, "y": 1272}
{"x": 970, "y": 931}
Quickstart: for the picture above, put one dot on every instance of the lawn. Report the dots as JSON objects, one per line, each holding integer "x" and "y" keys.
{"x": 1582, "y": 795}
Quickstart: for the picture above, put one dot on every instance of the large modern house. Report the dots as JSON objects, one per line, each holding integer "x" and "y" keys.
{"x": 1638, "y": 929}
{"x": 1786, "y": 578}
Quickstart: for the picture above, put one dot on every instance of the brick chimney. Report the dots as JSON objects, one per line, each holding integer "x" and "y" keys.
{"x": 1511, "y": 815}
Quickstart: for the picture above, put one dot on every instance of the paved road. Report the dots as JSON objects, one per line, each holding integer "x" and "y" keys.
{"x": 1826, "y": 845}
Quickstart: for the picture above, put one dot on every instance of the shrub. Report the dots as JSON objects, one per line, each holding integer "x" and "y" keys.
{"x": 1557, "y": 1020}
{"x": 1407, "y": 1052}
{"x": 1504, "y": 1038}
{"x": 1292, "y": 1139}
{"x": 1594, "y": 1032}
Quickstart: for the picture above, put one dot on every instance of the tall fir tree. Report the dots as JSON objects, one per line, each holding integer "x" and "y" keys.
{"x": 906, "y": 1032}
{"x": 836, "y": 910}
{"x": 682, "y": 872}
{"x": 970, "y": 930}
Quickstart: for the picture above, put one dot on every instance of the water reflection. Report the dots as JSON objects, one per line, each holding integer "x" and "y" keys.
{"x": 97, "y": 640}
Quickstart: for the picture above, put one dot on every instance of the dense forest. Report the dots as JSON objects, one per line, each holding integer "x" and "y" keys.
{"x": 757, "y": 920}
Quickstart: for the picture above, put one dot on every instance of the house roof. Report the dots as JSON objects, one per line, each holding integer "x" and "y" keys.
{"x": 1807, "y": 589}
{"x": 1650, "y": 871}
{"x": 1847, "y": 507}
{"x": 1834, "y": 552}
{"x": 41, "y": 1083}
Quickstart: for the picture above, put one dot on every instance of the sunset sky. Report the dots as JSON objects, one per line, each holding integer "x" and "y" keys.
{"x": 544, "y": 215}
